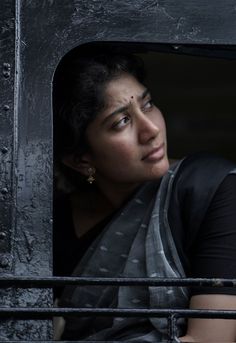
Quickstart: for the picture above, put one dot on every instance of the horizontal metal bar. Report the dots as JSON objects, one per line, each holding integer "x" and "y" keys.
{"x": 39, "y": 313}
{"x": 47, "y": 282}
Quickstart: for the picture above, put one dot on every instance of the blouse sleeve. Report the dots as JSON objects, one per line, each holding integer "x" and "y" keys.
{"x": 214, "y": 252}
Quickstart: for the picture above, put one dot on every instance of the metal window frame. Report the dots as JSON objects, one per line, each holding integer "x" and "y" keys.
{"x": 172, "y": 315}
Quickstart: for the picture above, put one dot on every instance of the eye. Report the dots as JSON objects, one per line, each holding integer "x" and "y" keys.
{"x": 121, "y": 123}
{"x": 148, "y": 105}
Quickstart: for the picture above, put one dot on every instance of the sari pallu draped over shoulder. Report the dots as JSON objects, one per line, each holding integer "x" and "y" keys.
{"x": 136, "y": 243}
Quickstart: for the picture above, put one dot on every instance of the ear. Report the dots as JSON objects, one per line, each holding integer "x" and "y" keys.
{"x": 78, "y": 163}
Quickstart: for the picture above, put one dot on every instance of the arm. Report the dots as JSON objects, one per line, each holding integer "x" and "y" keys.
{"x": 211, "y": 330}
{"x": 215, "y": 256}
{"x": 58, "y": 325}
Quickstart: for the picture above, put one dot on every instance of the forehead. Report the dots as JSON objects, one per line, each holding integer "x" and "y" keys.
{"x": 123, "y": 89}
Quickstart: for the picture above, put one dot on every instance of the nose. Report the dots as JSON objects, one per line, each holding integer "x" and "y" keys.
{"x": 147, "y": 129}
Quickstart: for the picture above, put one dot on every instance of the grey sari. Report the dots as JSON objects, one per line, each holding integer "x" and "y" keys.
{"x": 136, "y": 243}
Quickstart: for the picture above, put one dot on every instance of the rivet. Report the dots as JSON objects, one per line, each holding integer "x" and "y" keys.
{"x": 2, "y": 235}
{"x": 4, "y": 190}
{"x": 4, "y": 150}
{"x": 7, "y": 66}
{"x": 6, "y": 74}
{"x": 176, "y": 47}
{"x": 4, "y": 262}
{"x": 6, "y": 108}
{"x": 6, "y": 70}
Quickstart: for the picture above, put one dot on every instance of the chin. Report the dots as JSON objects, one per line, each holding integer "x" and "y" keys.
{"x": 161, "y": 169}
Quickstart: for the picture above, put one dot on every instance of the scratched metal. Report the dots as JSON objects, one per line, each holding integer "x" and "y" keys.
{"x": 46, "y": 30}
{"x": 25, "y": 205}
{"x": 6, "y": 128}
{"x": 7, "y": 62}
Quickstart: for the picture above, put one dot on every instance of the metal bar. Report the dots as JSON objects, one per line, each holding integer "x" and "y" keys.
{"x": 36, "y": 313}
{"x": 40, "y": 341}
{"x": 40, "y": 282}
{"x": 172, "y": 326}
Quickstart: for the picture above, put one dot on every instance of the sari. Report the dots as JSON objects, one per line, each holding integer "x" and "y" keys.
{"x": 137, "y": 242}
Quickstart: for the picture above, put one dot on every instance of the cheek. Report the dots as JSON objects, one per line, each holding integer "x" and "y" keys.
{"x": 118, "y": 151}
{"x": 115, "y": 161}
{"x": 160, "y": 122}
{"x": 114, "y": 151}
{"x": 125, "y": 152}
{"x": 164, "y": 127}
{"x": 159, "y": 119}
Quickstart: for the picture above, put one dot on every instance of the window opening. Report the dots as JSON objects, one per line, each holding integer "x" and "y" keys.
{"x": 198, "y": 111}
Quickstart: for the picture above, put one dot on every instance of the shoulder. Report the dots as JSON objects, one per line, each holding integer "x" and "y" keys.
{"x": 197, "y": 178}
{"x": 202, "y": 171}
{"x": 200, "y": 164}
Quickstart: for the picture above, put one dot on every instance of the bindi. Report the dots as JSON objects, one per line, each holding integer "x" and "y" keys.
{"x": 132, "y": 97}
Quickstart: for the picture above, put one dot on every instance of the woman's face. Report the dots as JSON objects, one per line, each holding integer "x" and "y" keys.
{"x": 128, "y": 139}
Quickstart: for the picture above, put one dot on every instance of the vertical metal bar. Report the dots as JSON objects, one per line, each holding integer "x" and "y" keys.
{"x": 7, "y": 58}
{"x": 172, "y": 328}
{"x": 32, "y": 249}
{"x": 7, "y": 79}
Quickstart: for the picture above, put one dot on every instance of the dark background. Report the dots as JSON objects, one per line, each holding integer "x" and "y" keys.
{"x": 197, "y": 98}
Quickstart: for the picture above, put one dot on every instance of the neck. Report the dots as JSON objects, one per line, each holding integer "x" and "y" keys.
{"x": 116, "y": 194}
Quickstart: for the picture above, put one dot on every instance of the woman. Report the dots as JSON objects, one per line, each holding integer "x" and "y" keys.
{"x": 129, "y": 214}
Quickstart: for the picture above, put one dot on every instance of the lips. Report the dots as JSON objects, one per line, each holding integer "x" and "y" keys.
{"x": 155, "y": 154}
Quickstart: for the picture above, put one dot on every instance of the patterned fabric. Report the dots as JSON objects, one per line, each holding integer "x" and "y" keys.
{"x": 136, "y": 243}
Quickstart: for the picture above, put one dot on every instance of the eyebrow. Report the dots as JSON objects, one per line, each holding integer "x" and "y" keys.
{"x": 125, "y": 108}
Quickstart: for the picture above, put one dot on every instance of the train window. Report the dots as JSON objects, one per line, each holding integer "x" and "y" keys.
{"x": 195, "y": 93}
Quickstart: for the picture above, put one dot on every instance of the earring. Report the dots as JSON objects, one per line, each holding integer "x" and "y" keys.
{"x": 91, "y": 177}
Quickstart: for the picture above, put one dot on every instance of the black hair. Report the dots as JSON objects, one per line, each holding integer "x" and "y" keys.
{"x": 78, "y": 93}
